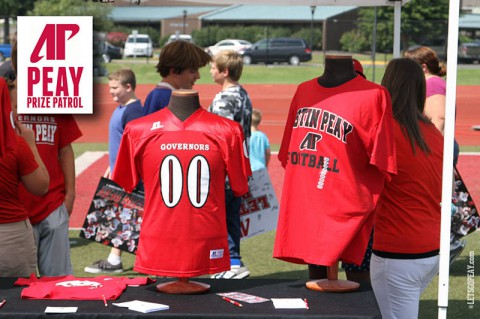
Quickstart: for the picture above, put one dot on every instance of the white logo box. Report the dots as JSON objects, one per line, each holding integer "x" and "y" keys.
{"x": 55, "y": 65}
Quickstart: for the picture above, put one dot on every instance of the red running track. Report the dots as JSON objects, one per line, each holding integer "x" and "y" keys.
{"x": 274, "y": 101}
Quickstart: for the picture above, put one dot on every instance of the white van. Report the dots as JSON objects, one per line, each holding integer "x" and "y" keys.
{"x": 138, "y": 45}
{"x": 183, "y": 37}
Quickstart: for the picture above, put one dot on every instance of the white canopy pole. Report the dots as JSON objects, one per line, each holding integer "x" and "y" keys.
{"x": 449, "y": 133}
{"x": 396, "y": 29}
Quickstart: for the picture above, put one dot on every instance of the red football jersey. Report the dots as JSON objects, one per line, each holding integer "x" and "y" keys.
{"x": 337, "y": 150}
{"x": 183, "y": 166}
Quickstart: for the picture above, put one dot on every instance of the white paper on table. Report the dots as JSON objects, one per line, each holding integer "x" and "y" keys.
{"x": 61, "y": 309}
{"x": 289, "y": 303}
{"x": 141, "y": 306}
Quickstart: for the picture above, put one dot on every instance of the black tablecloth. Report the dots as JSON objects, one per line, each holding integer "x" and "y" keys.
{"x": 358, "y": 304}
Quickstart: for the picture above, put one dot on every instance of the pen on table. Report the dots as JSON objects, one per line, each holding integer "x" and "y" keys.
{"x": 306, "y": 303}
{"x": 2, "y": 303}
{"x": 232, "y": 301}
{"x": 104, "y": 301}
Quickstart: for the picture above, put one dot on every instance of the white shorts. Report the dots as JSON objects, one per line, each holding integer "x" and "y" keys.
{"x": 398, "y": 284}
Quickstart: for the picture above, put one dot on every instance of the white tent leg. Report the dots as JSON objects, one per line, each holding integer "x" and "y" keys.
{"x": 396, "y": 29}
{"x": 452, "y": 56}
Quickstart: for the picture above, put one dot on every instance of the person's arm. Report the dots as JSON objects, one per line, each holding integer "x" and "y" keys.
{"x": 435, "y": 110}
{"x": 108, "y": 172}
{"x": 67, "y": 161}
{"x": 267, "y": 156}
{"x": 224, "y": 106}
{"x": 36, "y": 182}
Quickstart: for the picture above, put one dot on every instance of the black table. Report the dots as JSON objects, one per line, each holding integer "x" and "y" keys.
{"x": 358, "y": 304}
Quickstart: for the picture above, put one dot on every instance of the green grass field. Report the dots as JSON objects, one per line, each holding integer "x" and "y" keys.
{"x": 280, "y": 73}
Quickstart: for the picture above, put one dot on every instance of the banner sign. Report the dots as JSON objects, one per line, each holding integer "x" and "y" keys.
{"x": 259, "y": 209}
{"x": 55, "y": 64}
{"x": 465, "y": 217}
{"x": 114, "y": 217}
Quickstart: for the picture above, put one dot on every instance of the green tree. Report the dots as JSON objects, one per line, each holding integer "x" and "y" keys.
{"x": 11, "y": 9}
{"x": 354, "y": 41}
{"x": 420, "y": 20}
{"x": 101, "y": 23}
{"x": 306, "y": 33}
{"x": 98, "y": 10}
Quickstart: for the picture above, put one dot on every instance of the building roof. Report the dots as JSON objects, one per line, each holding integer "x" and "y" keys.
{"x": 146, "y": 13}
{"x": 469, "y": 21}
{"x": 358, "y": 3}
{"x": 274, "y": 13}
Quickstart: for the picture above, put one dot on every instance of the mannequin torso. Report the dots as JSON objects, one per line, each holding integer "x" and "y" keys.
{"x": 184, "y": 103}
{"x": 338, "y": 70}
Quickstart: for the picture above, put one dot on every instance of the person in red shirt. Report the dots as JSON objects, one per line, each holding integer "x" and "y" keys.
{"x": 406, "y": 240}
{"x": 20, "y": 163}
{"x": 49, "y": 214}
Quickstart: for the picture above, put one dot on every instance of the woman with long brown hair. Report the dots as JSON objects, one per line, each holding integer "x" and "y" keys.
{"x": 407, "y": 218}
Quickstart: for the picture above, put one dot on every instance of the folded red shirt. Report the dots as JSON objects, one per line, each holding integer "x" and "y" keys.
{"x": 73, "y": 288}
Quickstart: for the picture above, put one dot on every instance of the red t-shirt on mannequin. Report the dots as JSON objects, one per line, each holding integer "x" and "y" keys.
{"x": 337, "y": 150}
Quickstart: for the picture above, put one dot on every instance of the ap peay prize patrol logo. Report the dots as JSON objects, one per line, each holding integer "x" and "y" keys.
{"x": 55, "y": 65}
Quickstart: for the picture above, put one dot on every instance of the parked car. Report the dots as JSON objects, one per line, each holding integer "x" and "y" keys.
{"x": 5, "y": 51}
{"x": 229, "y": 44}
{"x": 184, "y": 37}
{"x": 138, "y": 45}
{"x": 291, "y": 50}
{"x": 112, "y": 52}
{"x": 468, "y": 52}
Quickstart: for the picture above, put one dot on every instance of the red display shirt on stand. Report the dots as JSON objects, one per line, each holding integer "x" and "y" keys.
{"x": 183, "y": 166}
{"x": 337, "y": 150}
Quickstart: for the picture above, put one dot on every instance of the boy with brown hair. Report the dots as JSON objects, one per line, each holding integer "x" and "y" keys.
{"x": 178, "y": 66}
{"x": 233, "y": 103}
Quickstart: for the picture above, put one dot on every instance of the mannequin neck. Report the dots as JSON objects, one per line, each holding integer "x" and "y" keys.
{"x": 338, "y": 70}
{"x": 184, "y": 103}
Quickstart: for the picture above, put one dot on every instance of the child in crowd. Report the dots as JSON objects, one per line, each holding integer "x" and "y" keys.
{"x": 122, "y": 88}
{"x": 233, "y": 103}
{"x": 259, "y": 145}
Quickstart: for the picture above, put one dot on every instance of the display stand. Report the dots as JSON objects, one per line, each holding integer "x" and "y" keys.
{"x": 183, "y": 286}
{"x": 332, "y": 283}
{"x": 183, "y": 103}
{"x": 338, "y": 70}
